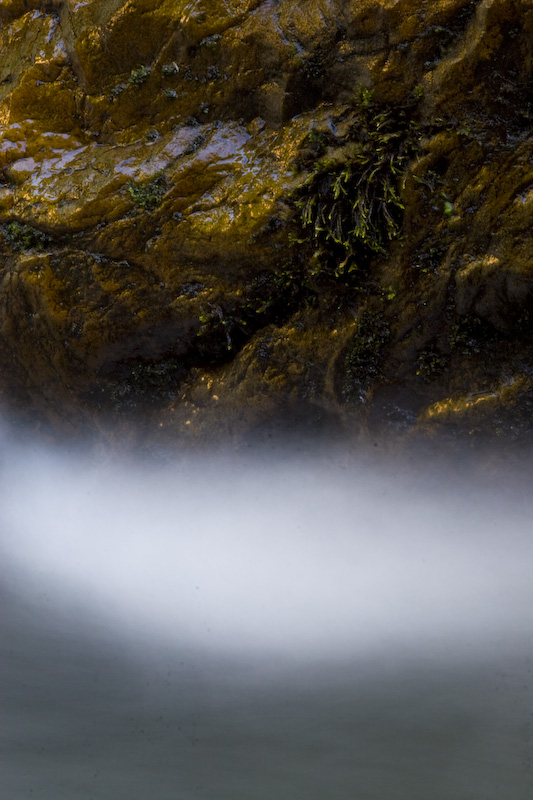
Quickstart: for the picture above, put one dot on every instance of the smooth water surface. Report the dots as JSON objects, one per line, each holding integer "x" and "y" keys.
{"x": 232, "y": 628}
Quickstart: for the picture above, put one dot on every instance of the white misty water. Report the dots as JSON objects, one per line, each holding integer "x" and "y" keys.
{"x": 262, "y": 627}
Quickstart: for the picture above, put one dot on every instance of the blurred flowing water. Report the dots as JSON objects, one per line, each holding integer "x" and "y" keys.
{"x": 227, "y": 628}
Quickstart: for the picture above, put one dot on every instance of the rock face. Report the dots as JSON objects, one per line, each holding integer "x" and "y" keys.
{"x": 221, "y": 216}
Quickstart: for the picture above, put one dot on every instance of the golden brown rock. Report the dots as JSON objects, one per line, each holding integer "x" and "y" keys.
{"x": 219, "y": 216}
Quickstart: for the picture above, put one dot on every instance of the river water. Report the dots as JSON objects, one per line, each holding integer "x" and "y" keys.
{"x": 231, "y": 628}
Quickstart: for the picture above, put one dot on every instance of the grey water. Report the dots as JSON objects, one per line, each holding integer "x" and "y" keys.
{"x": 222, "y": 628}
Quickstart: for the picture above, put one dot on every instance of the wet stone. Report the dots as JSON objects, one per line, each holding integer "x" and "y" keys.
{"x": 348, "y": 182}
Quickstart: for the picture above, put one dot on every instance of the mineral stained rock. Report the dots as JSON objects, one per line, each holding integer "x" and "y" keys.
{"x": 225, "y": 216}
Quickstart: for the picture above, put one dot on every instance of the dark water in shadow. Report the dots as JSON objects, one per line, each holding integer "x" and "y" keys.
{"x": 286, "y": 630}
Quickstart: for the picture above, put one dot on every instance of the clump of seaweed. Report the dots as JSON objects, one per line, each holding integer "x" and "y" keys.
{"x": 350, "y": 203}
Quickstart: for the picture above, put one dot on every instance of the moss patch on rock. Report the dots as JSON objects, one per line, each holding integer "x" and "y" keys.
{"x": 24, "y": 237}
{"x": 148, "y": 194}
{"x": 350, "y": 203}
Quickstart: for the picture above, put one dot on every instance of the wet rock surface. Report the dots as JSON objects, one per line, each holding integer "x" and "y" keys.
{"x": 225, "y": 218}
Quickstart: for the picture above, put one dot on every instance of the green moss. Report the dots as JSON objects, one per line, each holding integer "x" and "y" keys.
{"x": 314, "y": 66}
{"x": 365, "y": 97}
{"x": 448, "y": 209}
{"x": 313, "y": 147}
{"x": 136, "y": 79}
{"x": 148, "y": 195}
{"x": 268, "y": 299}
{"x": 364, "y": 357}
{"x": 431, "y": 363}
{"x": 24, "y": 237}
{"x": 350, "y": 204}
{"x": 220, "y": 330}
{"x": 430, "y": 259}
{"x": 139, "y": 76}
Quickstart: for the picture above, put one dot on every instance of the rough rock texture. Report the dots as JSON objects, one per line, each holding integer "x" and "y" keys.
{"x": 219, "y": 217}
